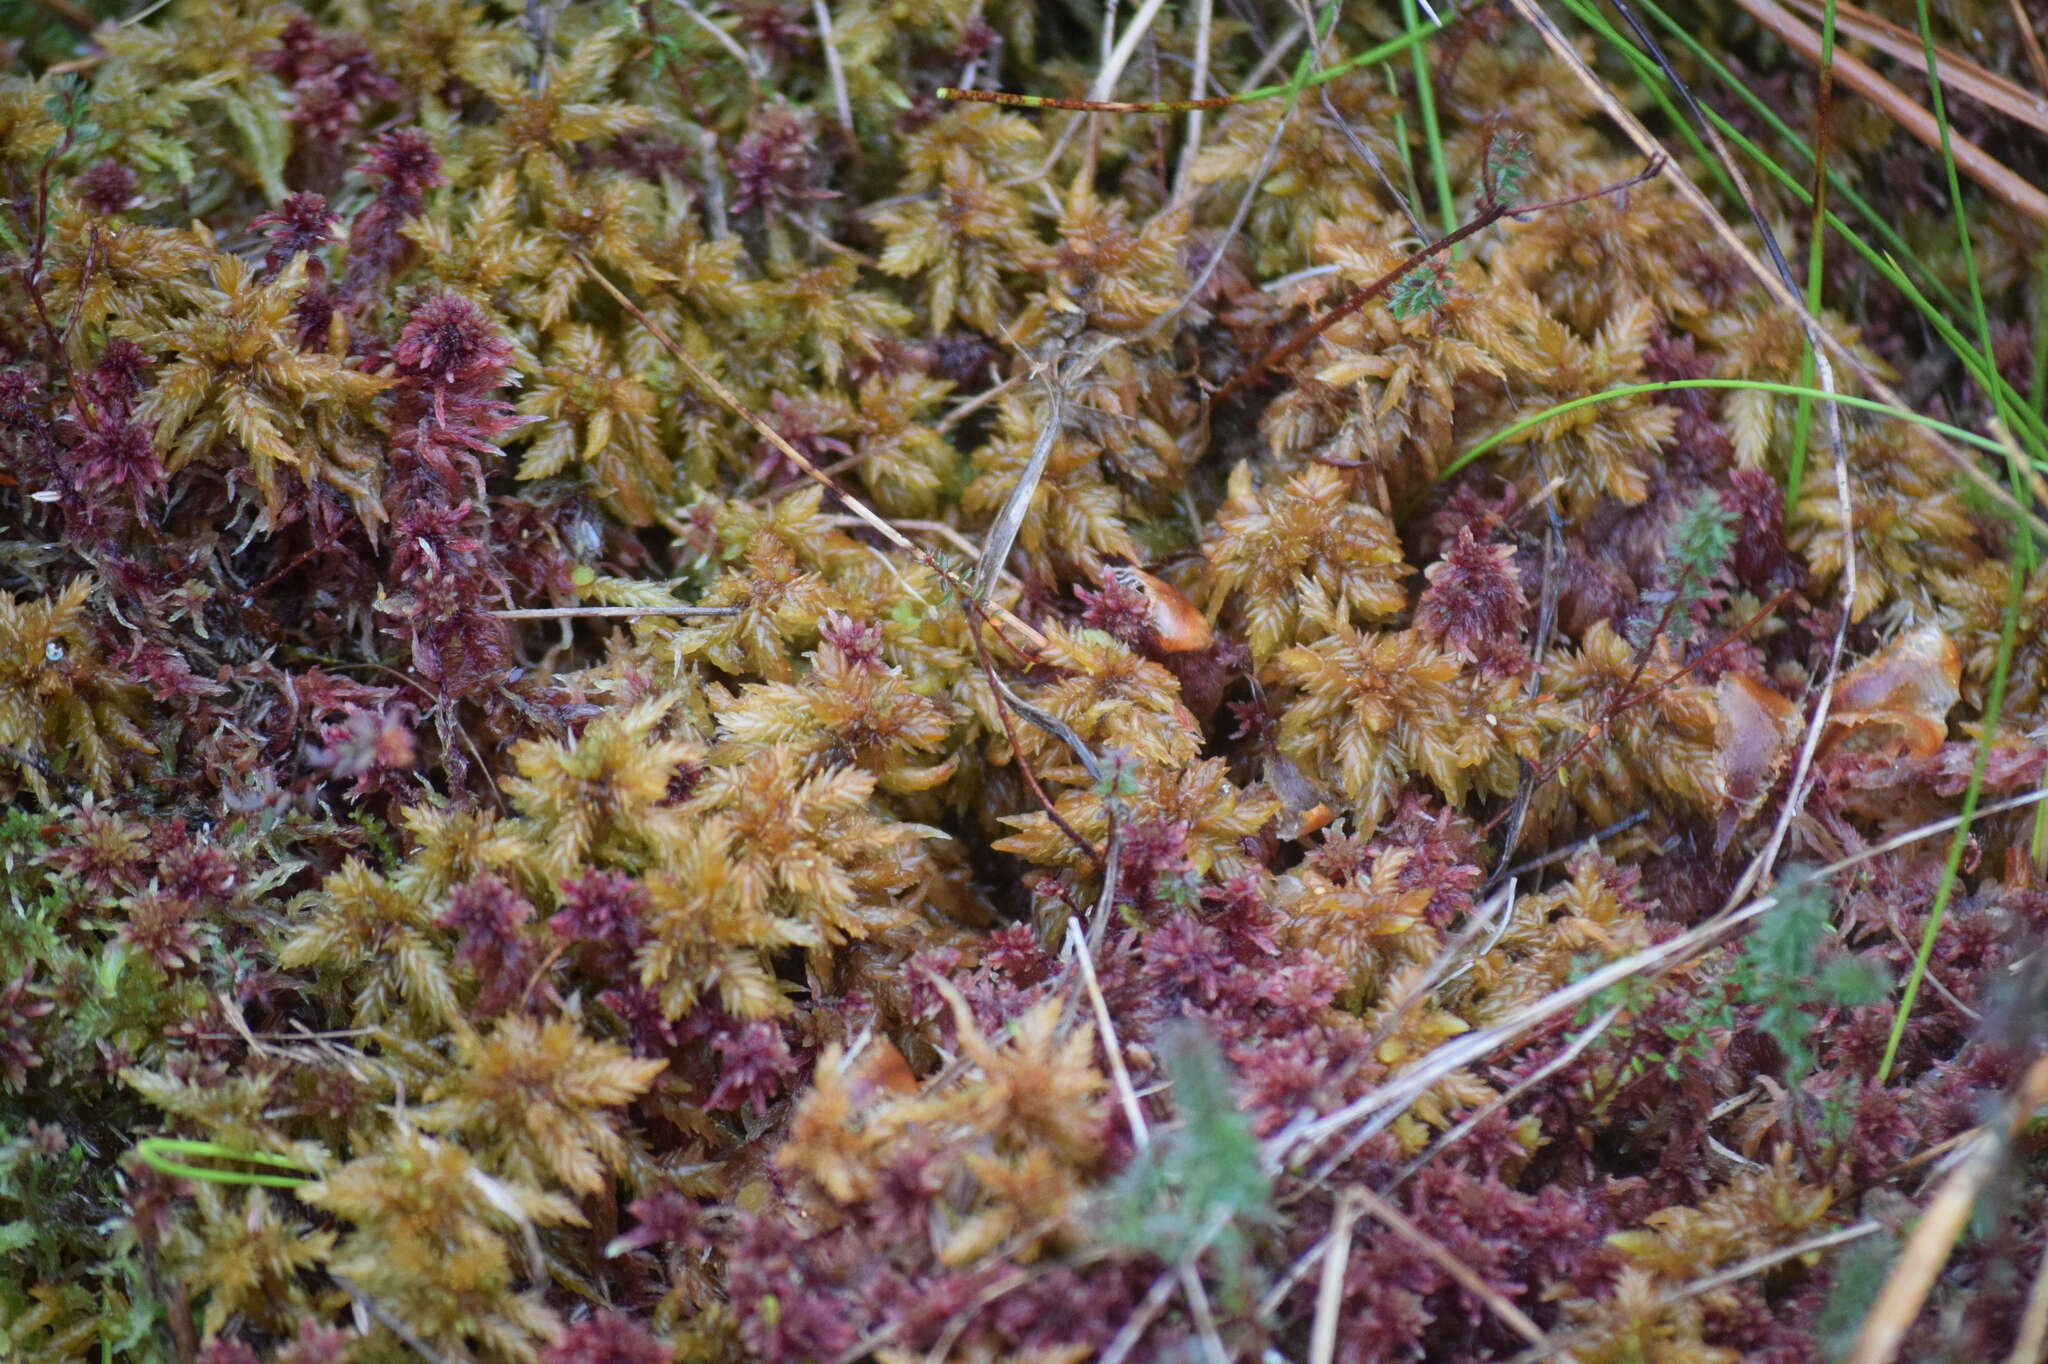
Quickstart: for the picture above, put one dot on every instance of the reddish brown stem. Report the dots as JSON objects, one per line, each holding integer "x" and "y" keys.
{"x": 1489, "y": 214}
{"x": 1052, "y": 813}
{"x": 1357, "y": 299}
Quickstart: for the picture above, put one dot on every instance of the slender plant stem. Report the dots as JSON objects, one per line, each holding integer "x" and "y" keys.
{"x": 1507, "y": 434}
{"x": 1432, "y": 132}
{"x": 1994, "y": 701}
{"x": 2023, "y": 538}
{"x": 2029, "y": 425}
{"x": 1816, "y": 251}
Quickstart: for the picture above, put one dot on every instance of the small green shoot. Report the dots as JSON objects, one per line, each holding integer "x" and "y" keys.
{"x": 1785, "y": 969}
{"x": 1202, "y": 1177}
{"x": 1700, "y": 545}
{"x": 1509, "y": 159}
{"x": 1419, "y": 291}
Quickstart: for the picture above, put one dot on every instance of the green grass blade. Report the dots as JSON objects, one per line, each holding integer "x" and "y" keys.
{"x": 1816, "y": 254}
{"x": 2027, "y": 424}
{"x": 1507, "y": 434}
{"x": 1994, "y": 701}
{"x": 158, "y": 1154}
{"x": 1432, "y": 132}
{"x": 2023, "y": 541}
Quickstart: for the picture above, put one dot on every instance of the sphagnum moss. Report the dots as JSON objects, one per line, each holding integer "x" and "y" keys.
{"x": 705, "y": 986}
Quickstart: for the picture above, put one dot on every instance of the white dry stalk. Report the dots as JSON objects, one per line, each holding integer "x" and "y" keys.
{"x": 1126, "y": 47}
{"x": 1322, "y": 1340}
{"x": 1722, "y": 1278}
{"x": 1002, "y": 533}
{"x": 1141, "y": 1134}
{"x": 1205, "y": 1318}
{"x": 835, "y": 70}
{"x": 610, "y": 612}
{"x": 756, "y": 71}
{"x": 1298, "y": 1140}
{"x": 1198, "y": 85}
{"x": 1517, "y": 1090}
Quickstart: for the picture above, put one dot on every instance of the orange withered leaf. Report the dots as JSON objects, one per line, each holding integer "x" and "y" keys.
{"x": 1900, "y": 696}
{"x": 1754, "y": 728}
{"x": 1179, "y": 626}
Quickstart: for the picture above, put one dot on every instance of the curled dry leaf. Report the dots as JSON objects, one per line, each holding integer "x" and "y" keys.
{"x": 1303, "y": 806}
{"x": 1754, "y": 730}
{"x": 1900, "y": 697}
{"x": 1180, "y": 628}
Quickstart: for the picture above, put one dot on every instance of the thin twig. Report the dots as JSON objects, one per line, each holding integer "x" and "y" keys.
{"x": 1364, "y": 294}
{"x": 2032, "y": 42}
{"x": 1351, "y": 303}
{"x": 1141, "y": 1135}
{"x": 967, "y": 407}
{"x": 1626, "y": 698}
{"x": 1204, "y": 15}
{"x": 835, "y": 69}
{"x": 1934, "y": 1236}
{"x": 950, "y": 534}
{"x": 1322, "y": 1339}
{"x": 1512, "y": 1316}
{"x": 1556, "y": 855}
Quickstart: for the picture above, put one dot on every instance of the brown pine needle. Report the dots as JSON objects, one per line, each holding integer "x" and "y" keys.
{"x": 1512, "y": 1316}
{"x": 1958, "y": 73}
{"x": 1993, "y": 175}
{"x": 2031, "y": 40}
